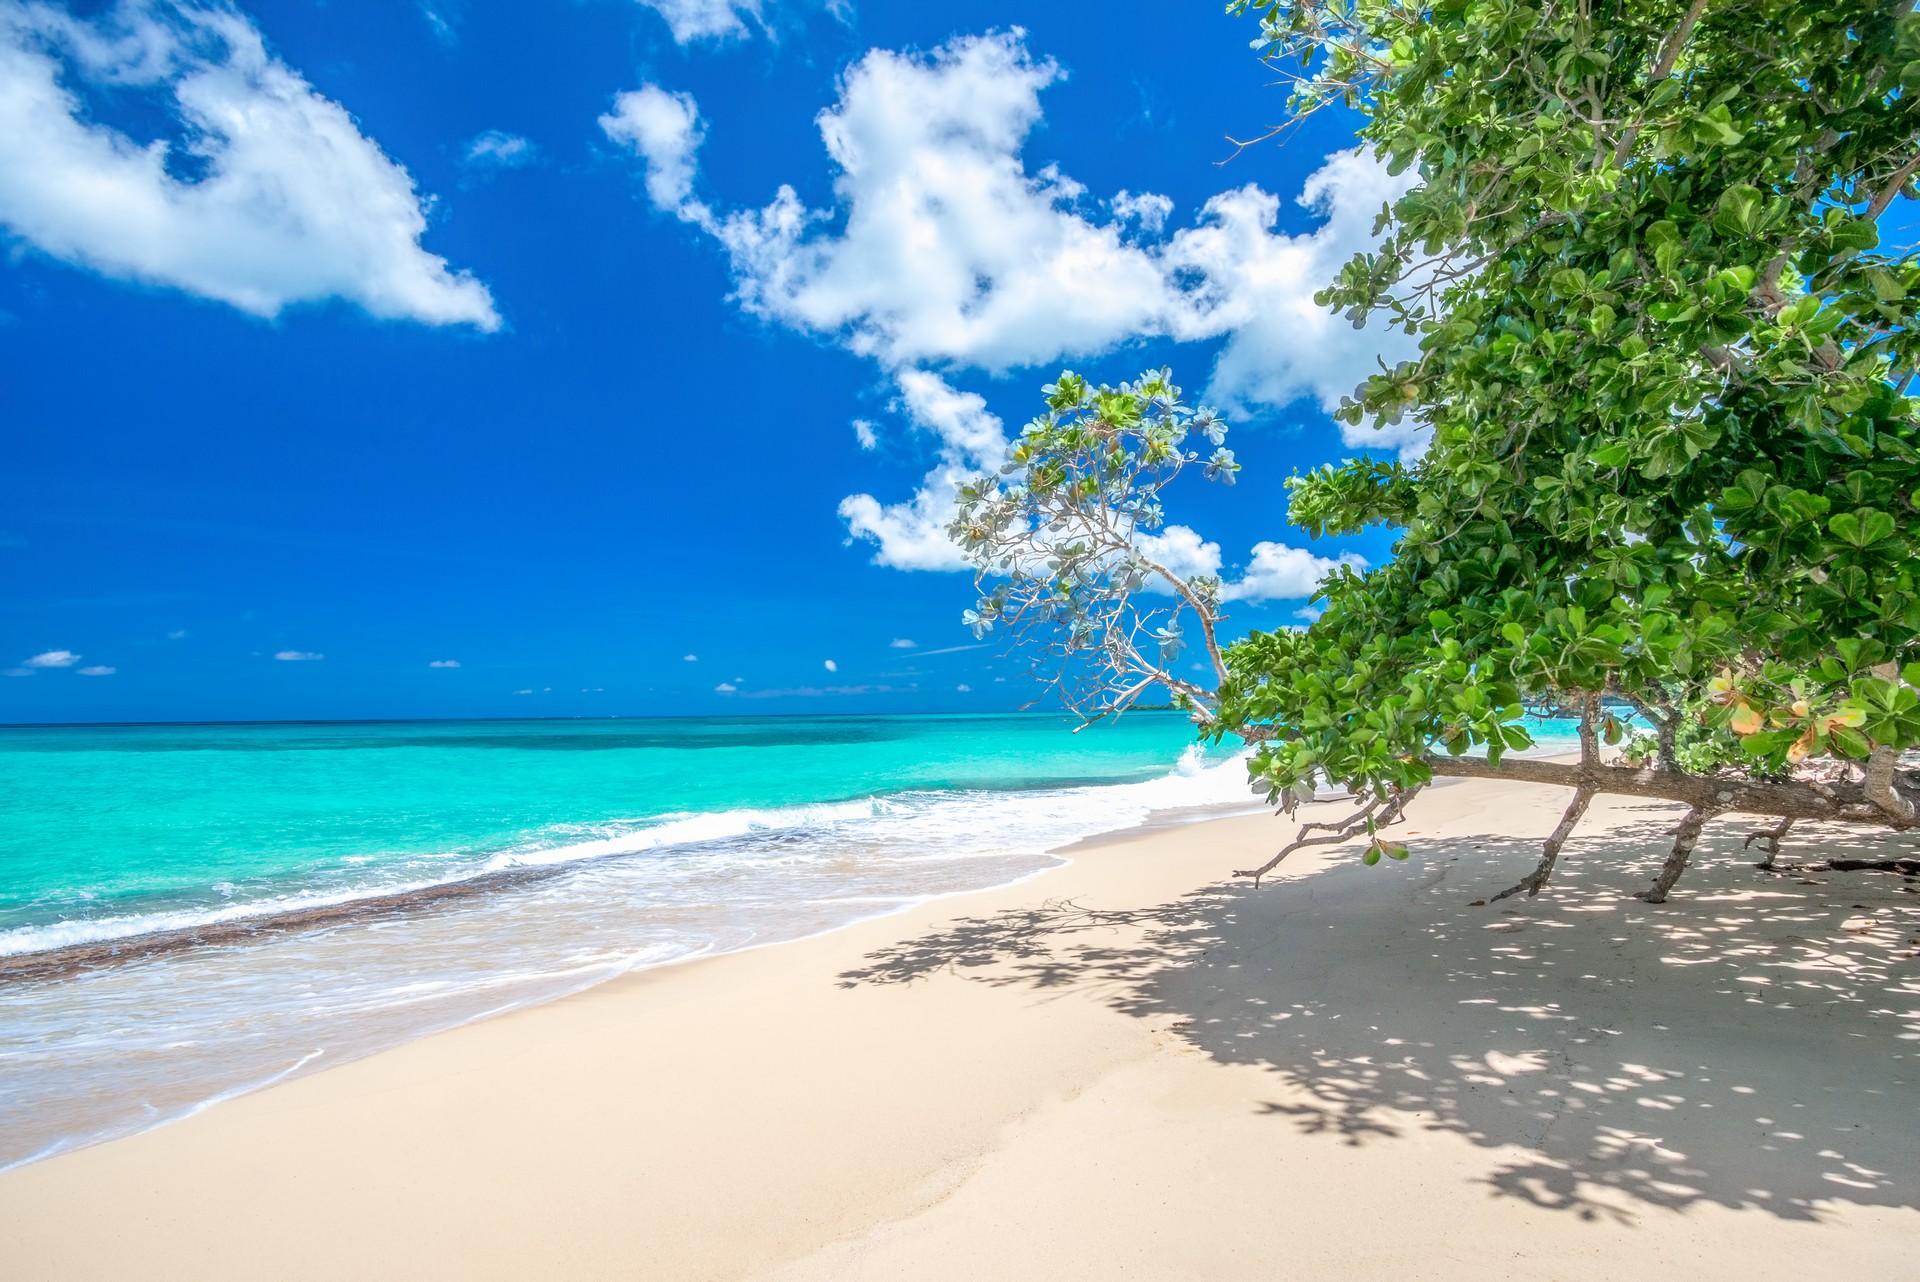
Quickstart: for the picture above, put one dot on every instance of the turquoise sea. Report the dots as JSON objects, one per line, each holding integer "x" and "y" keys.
{"x": 415, "y": 876}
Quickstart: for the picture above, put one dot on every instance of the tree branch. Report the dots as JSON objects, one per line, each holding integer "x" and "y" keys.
{"x": 1684, "y": 838}
{"x": 1787, "y": 799}
{"x": 1669, "y": 55}
{"x": 1894, "y": 186}
{"x": 1550, "y": 852}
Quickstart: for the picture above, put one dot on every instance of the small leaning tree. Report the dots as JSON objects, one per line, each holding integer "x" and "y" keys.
{"x": 1674, "y": 470}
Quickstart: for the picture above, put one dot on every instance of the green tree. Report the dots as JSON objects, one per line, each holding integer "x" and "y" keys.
{"x": 1664, "y": 360}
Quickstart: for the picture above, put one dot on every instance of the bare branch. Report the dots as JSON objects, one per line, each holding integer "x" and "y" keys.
{"x": 1684, "y": 838}
{"x": 1534, "y": 881}
{"x": 1772, "y": 837}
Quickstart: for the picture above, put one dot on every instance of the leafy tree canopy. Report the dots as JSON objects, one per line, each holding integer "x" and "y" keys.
{"x": 1664, "y": 359}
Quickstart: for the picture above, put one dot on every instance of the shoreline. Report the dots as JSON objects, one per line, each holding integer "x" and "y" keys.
{"x": 418, "y": 904}
{"x": 1123, "y": 1062}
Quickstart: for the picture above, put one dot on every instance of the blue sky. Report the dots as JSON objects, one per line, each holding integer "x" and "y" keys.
{"x": 484, "y": 333}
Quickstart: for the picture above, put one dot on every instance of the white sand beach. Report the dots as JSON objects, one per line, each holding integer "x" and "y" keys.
{"x": 1132, "y": 1066}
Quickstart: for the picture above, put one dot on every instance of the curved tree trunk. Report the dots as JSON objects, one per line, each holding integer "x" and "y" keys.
{"x": 1839, "y": 802}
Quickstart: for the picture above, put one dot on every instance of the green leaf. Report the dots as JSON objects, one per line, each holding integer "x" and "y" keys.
{"x": 1738, "y": 212}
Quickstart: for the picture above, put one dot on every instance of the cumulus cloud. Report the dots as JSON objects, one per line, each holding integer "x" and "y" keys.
{"x": 443, "y": 663}
{"x": 942, "y": 251}
{"x": 1256, "y": 286}
{"x": 523, "y": 692}
{"x": 912, "y": 535}
{"x": 942, "y": 248}
{"x": 271, "y": 197}
{"x": 495, "y": 149}
{"x": 865, "y": 432}
{"x": 298, "y": 656}
{"x": 1149, "y": 209}
{"x": 1274, "y": 571}
{"x": 831, "y": 666}
{"x": 98, "y": 670}
{"x": 689, "y": 658}
{"x": 52, "y": 659}
{"x": 901, "y": 643}
{"x": 963, "y": 688}
{"x": 692, "y": 20}
{"x": 1279, "y": 573}
{"x": 664, "y": 130}
{"x": 1180, "y": 550}
{"x": 726, "y": 687}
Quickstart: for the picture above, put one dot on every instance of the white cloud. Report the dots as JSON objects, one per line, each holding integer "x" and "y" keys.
{"x": 1149, "y": 209}
{"x": 941, "y": 248}
{"x": 441, "y": 23}
{"x": 1180, "y": 550}
{"x": 901, "y": 643}
{"x": 443, "y": 663}
{"x": 298, "y": 656}
{"x": 523, "y": 692}
{"x": 177, "y": 634}
{"x": 98, "y": 670}
{"x": 913, "y": 535}
{"x": 664, "y": 130}
{"x": 726, "y": 687}
{"x": 831, "y": 666}
{"x": 1278, "y": 573}
{"x": 1256, "y": 286}
{"x": 288, "y": 202}
{"x": 947, "y": 249}
{"x": 942, "y": 251}
{"x": 495, "y": 149}
{"x": 863, "y": 432}
{"x": 692, "y": 20}
{"x": 17, "y": 672}
{"x": 52, "y": 659}
{"x": 689, "y": 658}
{"x": 959, "y": 419}
{"x": 963, "y": 688}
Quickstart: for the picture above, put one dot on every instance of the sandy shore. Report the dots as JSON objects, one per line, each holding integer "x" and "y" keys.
{"x": 1129, "y": 1067}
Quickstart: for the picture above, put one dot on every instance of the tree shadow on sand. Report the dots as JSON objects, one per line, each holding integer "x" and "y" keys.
{"x": 1751, "y": 1043}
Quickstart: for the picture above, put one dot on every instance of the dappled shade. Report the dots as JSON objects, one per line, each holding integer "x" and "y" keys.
{"x": 1634, "y": 1057}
